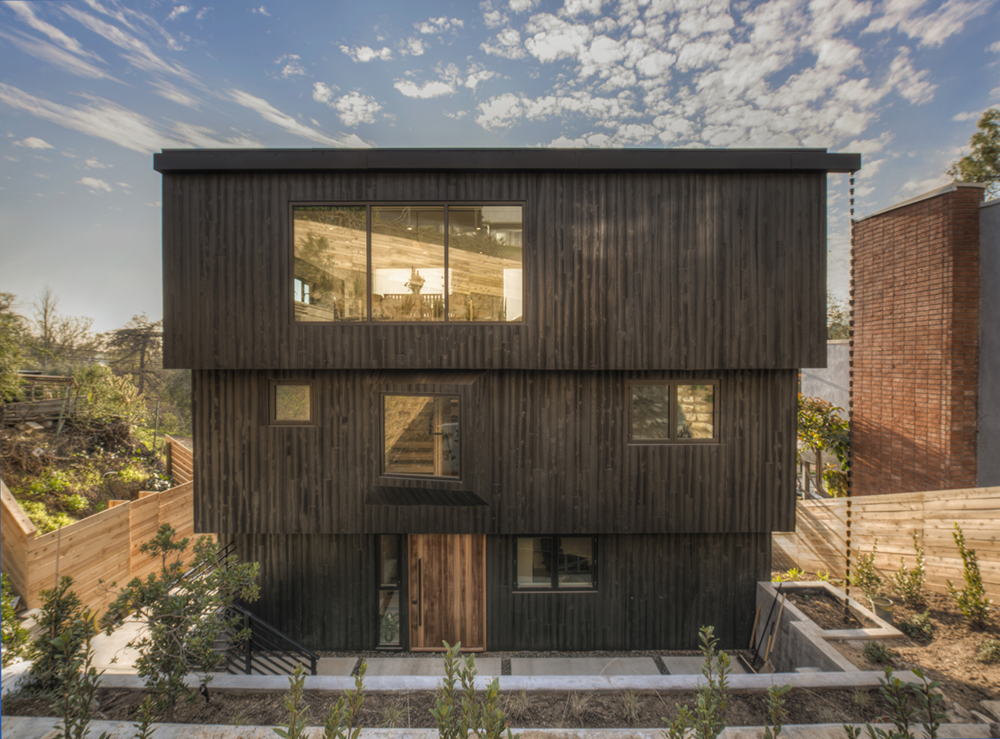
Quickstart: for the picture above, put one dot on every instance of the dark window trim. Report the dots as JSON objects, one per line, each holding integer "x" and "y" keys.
{"x": 369, "y": 204}
{"x": 671, "y": 424}
{"x": 272, "y": 401}
{"x": 401, "y": 580}
{"x": 387, "y": 478}
{"x": 554, "y": 585}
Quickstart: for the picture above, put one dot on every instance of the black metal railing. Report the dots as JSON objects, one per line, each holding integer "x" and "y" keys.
{"x": 266, "y": 651}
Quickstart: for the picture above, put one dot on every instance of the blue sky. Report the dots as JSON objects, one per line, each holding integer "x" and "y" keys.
{"x": 89, "y": 90}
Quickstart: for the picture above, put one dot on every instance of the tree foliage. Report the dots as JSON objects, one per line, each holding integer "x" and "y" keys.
{"x": 60, "y": 343}
{"x": 137, "y": 348}
{"x": 184, "y": 613}
{"x": 13, "y": 335}
{"x": 983, "y": 163}
{"x": 838, "y": 317}
{"x": 820, "y": 430}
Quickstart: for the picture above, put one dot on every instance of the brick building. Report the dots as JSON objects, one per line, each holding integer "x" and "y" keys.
{"x": 926, "y": 334}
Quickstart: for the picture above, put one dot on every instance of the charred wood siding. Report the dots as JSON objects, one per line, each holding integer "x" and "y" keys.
{"x": 654, "y": 592}
{"x": 548, "y": 451}
{"x": 622, "y": 271}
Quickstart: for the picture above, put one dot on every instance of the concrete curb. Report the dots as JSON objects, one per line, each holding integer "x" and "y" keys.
{"x": 23, "y": 727}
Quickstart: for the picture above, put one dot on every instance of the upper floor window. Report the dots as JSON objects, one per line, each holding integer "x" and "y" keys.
{"x": 408, "y": 263}
{"x": 290, "y": 404}
{"x": 673, "y": 411}
{"x": 421, "y": 435}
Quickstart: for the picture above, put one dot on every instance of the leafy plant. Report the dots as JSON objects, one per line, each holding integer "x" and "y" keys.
{"x": 61, "y": 608}
{"x": 918, "y": 626}
{"x": 776, "y": 712}
{"x": 75, "y": 503}
{"x": 876, "y": 651}
{"x": 296, "y": 726}
{"x": 820, "y": 429}
{"x": 147, "y": 715}
{"x": 909, "y": 585}
{"x": 864, "y": 575}
{"x": 929, "y": 709}
{"x": 989, "y": 651}
{"x": 44, "y": 519}
{"x": 707, "y": 720}
{"x": 971, "y": 600}
{"x": 460, "y": 714}
{"x": 77, "y": 678}
{"x": 983, "y": 164}
{"x": 178, "y": 637}
{"x": 339, "y": 721}
{"x": 14, "y": 636}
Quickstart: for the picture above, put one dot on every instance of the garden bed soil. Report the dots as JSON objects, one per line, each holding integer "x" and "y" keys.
{"x": 826, "y": 611}
{"x": 525, "y": 710}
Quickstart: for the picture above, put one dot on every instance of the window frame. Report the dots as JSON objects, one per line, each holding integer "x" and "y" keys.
{"x": 272, "y": 404}
{"x": 388, "y": 478}
{"x": 673, "y": 384}
{"x": 553, "y": 587}
{"x": 368, "y": 205}
{"x": 400, "y": 586}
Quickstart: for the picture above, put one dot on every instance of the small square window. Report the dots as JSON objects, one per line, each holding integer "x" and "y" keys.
{"x": 556, "y": 563}
{"x": 666, "y": 412}
{"x": 291, "y": 404}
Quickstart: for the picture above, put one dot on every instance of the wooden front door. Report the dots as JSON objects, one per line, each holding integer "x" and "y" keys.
{"x": 447, "y": 588}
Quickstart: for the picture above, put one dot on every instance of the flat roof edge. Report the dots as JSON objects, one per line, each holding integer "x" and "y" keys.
{"x": 638, "y": 160}
{"x": 950, "y": 187}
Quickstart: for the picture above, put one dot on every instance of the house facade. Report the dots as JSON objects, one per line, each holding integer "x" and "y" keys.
{"x": 521, "y": 399}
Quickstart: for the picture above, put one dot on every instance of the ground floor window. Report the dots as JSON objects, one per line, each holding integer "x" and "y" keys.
{"x": 556, "y": 563}
{"x": 389, "y": 590}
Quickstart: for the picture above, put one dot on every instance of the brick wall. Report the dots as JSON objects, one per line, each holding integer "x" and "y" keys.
{"x": 915, "y": 287}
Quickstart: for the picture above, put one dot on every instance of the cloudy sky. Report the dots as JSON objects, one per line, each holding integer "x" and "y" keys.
{"x": 90, "y": 89}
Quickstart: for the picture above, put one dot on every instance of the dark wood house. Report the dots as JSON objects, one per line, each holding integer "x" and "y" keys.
{"x": 524, "y": 399}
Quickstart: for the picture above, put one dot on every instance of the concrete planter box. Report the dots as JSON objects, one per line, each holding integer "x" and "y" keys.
{"x": 803, "y": 644}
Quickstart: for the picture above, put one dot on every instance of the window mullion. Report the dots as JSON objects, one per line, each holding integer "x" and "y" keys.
{"x": 368, "y": 255}
{"x": 447, "y": 277}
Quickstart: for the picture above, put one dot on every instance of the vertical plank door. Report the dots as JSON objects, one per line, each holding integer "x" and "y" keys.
{"x": 447, "y": 591}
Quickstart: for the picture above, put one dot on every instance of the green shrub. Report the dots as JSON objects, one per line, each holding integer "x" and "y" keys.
{"x": 864, "y": 575}
{"x": 707, "y": 720}
{"x": 909, "y": 585}
{"x": 44, "y": 520}
{"x": 777, "y": 714}
{"x": 876, "y": 651}
{"x": 75, "y": 503}
{"x": 459, "y": 715}
{"x": 14, "y": 636}
{"x": 898, "y": 696}
{"x": 971, "y": 600}
{"x": 989, "y": 651}
{"x": 61, "y": 639}
{"x": 918, "y": 626}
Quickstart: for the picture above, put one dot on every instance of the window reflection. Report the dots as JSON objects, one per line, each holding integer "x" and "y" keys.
{"x": 695, "y": 409}
{"x": 408, "y": 263}
{"x": 485, "y": 263}
{"x": 331, "y": 263}
{"x": 650, "y": 411}
{"x": 555, "y": 562}
{"x": 421, "y": 435}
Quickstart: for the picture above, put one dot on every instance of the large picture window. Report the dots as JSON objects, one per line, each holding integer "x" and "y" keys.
{"x": 556, "y": 563}
{"x": 421, "y": 436}
{"x": 667, "y": 412}
{"x": 403, "y": 263}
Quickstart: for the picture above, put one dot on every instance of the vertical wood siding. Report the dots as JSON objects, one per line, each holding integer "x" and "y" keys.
{"x": 621, "y": 271}
{"x": 548, "y": 451}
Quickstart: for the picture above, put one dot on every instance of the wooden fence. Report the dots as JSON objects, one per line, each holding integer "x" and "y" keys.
{"x": 180, "y": 460}
{"x": 103, "y": 547}
{"x": 818, "y": 542}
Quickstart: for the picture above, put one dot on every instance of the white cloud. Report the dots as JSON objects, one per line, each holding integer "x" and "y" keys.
{"x": 323, "y": 93}
{"x": 285, "y": 121}
{"x": 173, "y": 93}
{"x": 910, "y": 83}
{"x": 56, "y": 57}
{"x": 431, "y": 89}
{"x": 93, "y": 163}
{"x": 94, "y": 184}
{"x": 500, "y": 112}
{"x": 507, "y": 44}
{"x": 367, "y": 53}
{"x": 478, "y": 74}
{"x": 124, "y": 184}
{"x": 553, "y": 38}
{"x": 914, "y": 187}
{"x": 204, "y": 137}
{"x": 932, "y": 29}
{"x": 414, "y": 47}
{"x": 178, "y": 11}
{"x": 439, "y": 25}
{"x": 493, "y": 18}
{"x": 292, "y": 68}
{"x": 156, "y": 204}
{"x": 355, "y": 108}
{"x": 969, "y": 115}
{"x": 27, "y": 15}
{"x": 519, "y": 6}
{"x": 995, "y": 47}
{"x": 260, "y": 11}
{"x": 573, "y": 8}
{"x": 33, "y": 142}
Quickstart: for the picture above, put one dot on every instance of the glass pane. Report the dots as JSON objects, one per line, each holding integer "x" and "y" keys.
{"x": 576, "y": 562}
{"x": 534, "y": 562}
{"x": 388, "y": 618}
{"x": 484, "y": 263}
{"x": 408, "y": 263}
{"x": 695, "y": 406}
{"x": 331, "y": 263}
{"x": 389, "y": 560}
{"x": 291, "y": 403}
{"x": 421, "y": 435}
{"x": 650, "y": 411}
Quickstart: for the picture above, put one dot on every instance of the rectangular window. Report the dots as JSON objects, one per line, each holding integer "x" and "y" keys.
{"x": 404, "y": 263}
{"x": 421, "y": 435}
{"x": 290, "y": 404}
{"x": 556, "y": 563}
{"x": 673, "y": 412}
{"x": 389, "y": 589}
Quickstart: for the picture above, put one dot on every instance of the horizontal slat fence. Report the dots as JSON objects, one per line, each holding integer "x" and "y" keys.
{"x": 103, "y": 547}
{"x": 180, "y": 460}
{"x": 818, "y": 542}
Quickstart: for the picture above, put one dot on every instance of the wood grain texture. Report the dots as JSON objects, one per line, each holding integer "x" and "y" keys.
{"x": 548, "y": 452}
{"x": 447, "y": 583}
{"x": 622, "y": 271}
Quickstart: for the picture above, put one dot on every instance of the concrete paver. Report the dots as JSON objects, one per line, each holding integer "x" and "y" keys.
{"x": 424, "y": 666}
{"x": 538, "y": 666}
{"x": 692, "y": 665}
{"x": 112, "y": 654}
{"x": 336, "y": 666}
